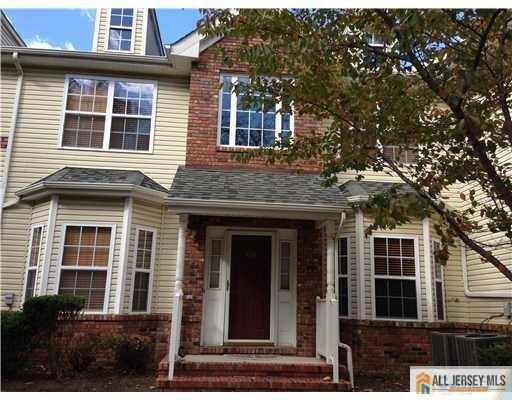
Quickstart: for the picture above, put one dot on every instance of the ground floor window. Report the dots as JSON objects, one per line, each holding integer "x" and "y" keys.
{"x": 439, "y": 280}
{"x": 143, "y": 268}
{"x": 395, "y": 283}
{"x": 34, "y": 254}
{"x": 343, "y": 276}
{"x": 85, "y": 262}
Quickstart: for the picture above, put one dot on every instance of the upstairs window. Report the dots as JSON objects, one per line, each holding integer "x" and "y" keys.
{"x": 109, "y": 114}
{"x": 403, "y": 156}
{"x": 254, "y": 126}
{"x": 120, "y": 34}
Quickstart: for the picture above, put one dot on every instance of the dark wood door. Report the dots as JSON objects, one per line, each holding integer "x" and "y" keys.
{"x": 249, "y": 301}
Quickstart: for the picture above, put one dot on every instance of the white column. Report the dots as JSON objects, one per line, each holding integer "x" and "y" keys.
{"x": 48, "y": 245}
{"x": 174, "y": 344}
{"x": 427, "y": 259}
{"x": 123, "y": 254}
{"x": 330, "y": 232}
{"x": 361, "y": 295}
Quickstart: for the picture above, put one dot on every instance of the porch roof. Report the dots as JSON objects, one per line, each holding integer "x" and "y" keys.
{"x": 270, "y": 190}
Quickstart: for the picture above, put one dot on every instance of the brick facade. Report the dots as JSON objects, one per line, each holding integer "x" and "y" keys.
{"x": 385, "y": 348}
{"x": 309, "y": 277}
{"x": 202, "y": 149}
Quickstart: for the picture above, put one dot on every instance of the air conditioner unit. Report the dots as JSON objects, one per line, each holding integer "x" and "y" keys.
{"x": 469, "y": 345}
{"x": 444, "y": 351}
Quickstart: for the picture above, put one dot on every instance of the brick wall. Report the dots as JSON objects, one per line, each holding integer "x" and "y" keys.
{"x": 309, "y": 277}
{"x": 202, "y": 149}
{"x": 384, "y": 348}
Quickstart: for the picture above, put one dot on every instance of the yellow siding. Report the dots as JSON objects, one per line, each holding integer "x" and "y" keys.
{"x": 37, "y": 136}
{"x": 139, "y": 30}
{"x": 7, "y": 94}
{"x": 87, "y": 211}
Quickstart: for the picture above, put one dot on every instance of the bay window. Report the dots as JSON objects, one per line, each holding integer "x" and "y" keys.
{"x": 85, "y": 263}
{"x": 106, "y": 114}
{"x": 255, "y": 126}
{"x": 395, "y": 277}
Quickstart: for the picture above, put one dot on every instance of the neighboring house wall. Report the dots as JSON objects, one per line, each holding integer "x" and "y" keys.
{"x": 37, "y": 154}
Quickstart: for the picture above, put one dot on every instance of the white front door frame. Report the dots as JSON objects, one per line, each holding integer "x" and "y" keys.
{"x": 273, "y": 283}
{"x": 215, "y": 321}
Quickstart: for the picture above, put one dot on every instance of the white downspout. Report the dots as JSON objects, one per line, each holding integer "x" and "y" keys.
{"x": 12, "y": 131}
{"x": 467, "y": 291}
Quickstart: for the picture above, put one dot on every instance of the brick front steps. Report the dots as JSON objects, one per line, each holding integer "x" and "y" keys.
{"x": 248, "y": 350}
{"x": 258, "y": 373}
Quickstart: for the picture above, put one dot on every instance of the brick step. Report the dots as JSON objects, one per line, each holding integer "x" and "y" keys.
{"x": 252, "y": 369}
{"x": 245, "y": 383}
{"x": 248, "y": 350}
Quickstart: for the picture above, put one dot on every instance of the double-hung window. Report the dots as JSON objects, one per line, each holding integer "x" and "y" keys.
{"x": 256, "y": 125}
{"x": 395, "y": 283}
{"x": 439, "y": 280}
{"x": 404, "y": 156}
{"x": 120, "y": 34}
{"x": 145, "y": 242}
{"x": 343, "y": 273}
{"x": 33, "y": 261}
{"x": 85, "y": 263}
{"x": 109, "y": 114}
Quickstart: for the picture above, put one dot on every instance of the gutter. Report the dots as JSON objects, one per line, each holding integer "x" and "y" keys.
{"x": 467, "y": 291}
{"x": 12, "y": 129}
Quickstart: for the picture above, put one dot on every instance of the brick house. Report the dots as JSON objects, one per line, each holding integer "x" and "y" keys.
{"x": 119, "y": 185}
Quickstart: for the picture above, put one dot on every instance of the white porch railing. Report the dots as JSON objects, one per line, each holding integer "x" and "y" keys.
{"x": 327, "y": 333}
{"x": 174, "y": 345}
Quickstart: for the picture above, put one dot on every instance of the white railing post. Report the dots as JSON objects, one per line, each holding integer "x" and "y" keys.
{"x": 174, "y": 340}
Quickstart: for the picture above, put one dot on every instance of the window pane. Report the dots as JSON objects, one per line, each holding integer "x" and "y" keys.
{"x": 395, "y": 298}
{"x": 242, "y": 136}
{"x": 407, "y": 248}
{"x": 35, "y": 247}
{"x": 285, "y": 252}
{"x": 439, "y": 300}
{"x": 31, "y": 283}
{"x": 381, "y": 266}
{"x": 342, "y": 256}
{"x": 86, "y": 246}
{"x": 380, "y": 246}
{"x": 130, "y": 133}
{"x": 255, "y": 138}
{"x": 394, "y": 266}
{"x": 87, "y": 284}
{"x": 268, "y": 138}
{"x": 140, "y": 291}
{"x": 343, "y": 296}
{"x": 215, "y": 257}
{"x": 83, "y": 131}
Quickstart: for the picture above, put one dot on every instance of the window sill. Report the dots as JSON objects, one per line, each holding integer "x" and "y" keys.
{"x": 106, "y": 150}
{"x": 237, "y": 149}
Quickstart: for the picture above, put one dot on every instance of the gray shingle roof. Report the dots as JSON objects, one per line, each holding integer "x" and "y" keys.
{"x": 366, "y": 188}
{"x": 253, "y": 186}
{"x": 106, "y": 176}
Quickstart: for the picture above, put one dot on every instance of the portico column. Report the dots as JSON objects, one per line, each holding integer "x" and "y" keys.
{"x": 330, "y": 231}
{"x": 175, "y": 335}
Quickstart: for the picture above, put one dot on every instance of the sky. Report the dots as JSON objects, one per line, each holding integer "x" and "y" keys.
{"x": 72, "y": 29}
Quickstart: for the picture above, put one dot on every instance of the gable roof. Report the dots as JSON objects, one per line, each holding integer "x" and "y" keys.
{"x": 200, "y": 185}
{"x": 9, "y": 37}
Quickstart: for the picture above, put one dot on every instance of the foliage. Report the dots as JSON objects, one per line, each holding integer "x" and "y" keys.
{"x": 81, "y": 353}
{"x": 44, "y": 313}
{"x": 131, "y": 352}
{"x": 16, "y": 338}
{"x": 497, "y": 355}
{"x": 441, "y": 79}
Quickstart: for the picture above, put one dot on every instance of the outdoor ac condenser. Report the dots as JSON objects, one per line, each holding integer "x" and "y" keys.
{"x": 469, "y": 345}
{"x": 444, "y": 350}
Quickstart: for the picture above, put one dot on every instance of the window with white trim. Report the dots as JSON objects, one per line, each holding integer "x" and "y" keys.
{"x": 120, "y": 34}
{"x": 108, "y": 114}
{"x": 439, "y": 280}
{"x": 404, "y": 156}
{"x": 343, "y": 282}
{"x": 85, "y": 262}
{"x": 285, "y": 265}
{"x": 144, "y": 261}
{"x": 254, "y": 126}
{"x": 33, "y": 261}
{"x": 215, "y": 257}
{"x": 395, "y": 278}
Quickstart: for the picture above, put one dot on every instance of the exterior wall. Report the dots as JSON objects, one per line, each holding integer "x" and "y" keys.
{"x": 7, "y": 94}
{"x": 202, "y": 149}
{"x": 37, "y": 138}
{"x": 385, "y": 348}
{"x": 309, "y": 277}
{"x": 104, "y": 23}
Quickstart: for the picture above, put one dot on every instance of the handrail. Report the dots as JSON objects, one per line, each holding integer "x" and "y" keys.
{"x": 350, "y": 365}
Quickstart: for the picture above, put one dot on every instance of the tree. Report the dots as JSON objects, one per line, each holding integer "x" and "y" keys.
{"x": 437, "y": 79}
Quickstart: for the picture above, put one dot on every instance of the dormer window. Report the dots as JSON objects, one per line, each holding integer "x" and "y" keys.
{"x": 120, "y": 36}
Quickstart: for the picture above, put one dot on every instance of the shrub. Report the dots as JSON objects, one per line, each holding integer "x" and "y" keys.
{"x": 16, "y": 339}
{"x": 499, "y": 355}
{"x": 43, "y": 313}
{"x": 131, "y": 352}
{"x": 81, "y": 353}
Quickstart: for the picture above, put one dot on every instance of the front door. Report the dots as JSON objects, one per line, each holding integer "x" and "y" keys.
{"x": 250, "y": 287}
